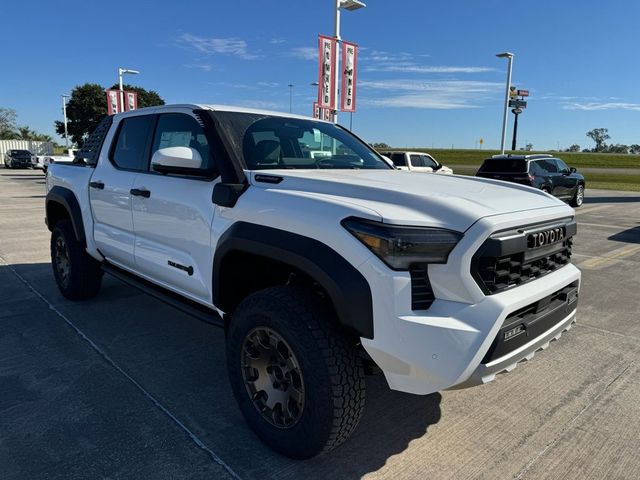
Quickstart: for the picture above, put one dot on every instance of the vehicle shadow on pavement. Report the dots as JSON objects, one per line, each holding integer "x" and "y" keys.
{"x": 180, "y": 362}
{"x": 631, "y": 235}
{"x": 621, "y": 199}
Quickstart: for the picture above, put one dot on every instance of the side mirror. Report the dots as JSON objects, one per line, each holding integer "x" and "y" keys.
{"x": 572, "y": 170}
{"x": 227, "y": 194}
{"x": 178, "y": 160}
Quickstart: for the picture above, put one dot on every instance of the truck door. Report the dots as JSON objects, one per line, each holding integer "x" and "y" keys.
{"x": 110, "y": 186}
{"x": 418, "y": 164}
{"x": 172, "y": 213}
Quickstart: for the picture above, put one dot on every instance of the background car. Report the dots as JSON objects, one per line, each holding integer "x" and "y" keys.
{"x": 18, "y": 159}
{"x": 416, "y": 162}
{"x": 545, "y": 172}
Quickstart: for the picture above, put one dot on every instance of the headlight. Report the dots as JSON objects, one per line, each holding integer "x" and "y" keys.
{"x": 401, "y": 246}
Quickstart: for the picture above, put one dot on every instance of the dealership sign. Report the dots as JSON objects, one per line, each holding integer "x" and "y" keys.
{"x": 321, "y": 113}
{"x": 327, "y": 49}
{"x": 113, "y": 102}
{"x": 349, "y": 65}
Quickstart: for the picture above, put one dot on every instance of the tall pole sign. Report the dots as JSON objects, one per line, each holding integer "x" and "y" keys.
{"x": 349, "y": 69}
{"x": 327, "y": 49}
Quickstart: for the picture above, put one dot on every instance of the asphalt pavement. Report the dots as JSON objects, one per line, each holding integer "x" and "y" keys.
{"x": 122, "y": 386}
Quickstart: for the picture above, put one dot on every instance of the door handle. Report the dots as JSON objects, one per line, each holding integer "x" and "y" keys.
{"x": 140, "y": 192}
{"x": 99, "y": 185}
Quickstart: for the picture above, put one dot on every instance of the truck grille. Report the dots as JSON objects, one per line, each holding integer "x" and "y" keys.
{"x": 502, "y": 264}
{"x": 421, "y": 293}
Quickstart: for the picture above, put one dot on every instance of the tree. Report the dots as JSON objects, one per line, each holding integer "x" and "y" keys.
{"x": 8, "y": 127}
{"x": 617, "y": 148}
{"x": 634, "y": 149}
{"x": 600, "y": 136}
{"x": 528, "y": 147}
{"x": 87, "y": 106}
{"x": 574, "y": 148}
{"x": 380, "y": 145}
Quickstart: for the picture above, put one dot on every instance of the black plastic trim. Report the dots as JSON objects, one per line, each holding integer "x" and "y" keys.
{"x": 194, "y": 309}
{"x": 68, "y": 200}
{"x": 346, "y": 286}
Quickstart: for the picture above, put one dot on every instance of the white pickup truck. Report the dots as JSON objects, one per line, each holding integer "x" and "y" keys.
{"x": 417, "y": 162}
{"x": 47, "y": 160}
{"x": 320, "y": 267}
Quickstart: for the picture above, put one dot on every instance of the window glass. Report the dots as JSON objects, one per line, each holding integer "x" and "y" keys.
{"x": 562, "y": 167}
{"x": 180, "y": 130}
{"x": 549, "y": 165}
{"x": 535, "y": 169}
{"x": 504, "y": 165}
{"x": 416, "y": 161}
{"x": 129, "y": 152}
{"x": 270, "y": 142}
{"x": 428, "y": 161}
{"x": 399, "y": 159}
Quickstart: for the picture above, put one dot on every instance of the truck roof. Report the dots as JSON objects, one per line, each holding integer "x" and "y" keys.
{"x": 521, "y": 157}
{"x": 217, "y": 108}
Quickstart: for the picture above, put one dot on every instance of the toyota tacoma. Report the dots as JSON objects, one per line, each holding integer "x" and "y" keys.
{"x": 320, "y": 261}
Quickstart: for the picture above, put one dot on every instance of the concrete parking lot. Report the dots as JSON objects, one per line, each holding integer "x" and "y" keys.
{"x": 123, "y": 386}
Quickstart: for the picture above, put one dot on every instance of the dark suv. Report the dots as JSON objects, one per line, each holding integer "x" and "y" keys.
{"x": 539, "y": 171}
{"x": 17, "y": 158}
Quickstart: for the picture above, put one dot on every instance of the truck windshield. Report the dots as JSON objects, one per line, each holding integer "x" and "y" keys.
{"x": 20, "y": 153}
{"x": 503, "y": 165}
{"x": 271, "y": 142}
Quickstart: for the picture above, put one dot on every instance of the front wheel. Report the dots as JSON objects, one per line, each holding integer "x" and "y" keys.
{"x": 578, "y": 197}
{"x": 78, "y": 275}
{"x": 297, "y": 377}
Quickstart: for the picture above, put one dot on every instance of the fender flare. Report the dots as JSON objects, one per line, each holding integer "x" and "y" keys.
{"x": 68, "y": 200}
{"x": 347, "y": 288}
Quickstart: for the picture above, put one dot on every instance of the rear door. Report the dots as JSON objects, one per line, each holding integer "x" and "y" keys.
{"x": 173, "y": 223}
{"x": 109, "y": 189}
{"x": 555, "y": 181}
{"x": 565, "y": 181}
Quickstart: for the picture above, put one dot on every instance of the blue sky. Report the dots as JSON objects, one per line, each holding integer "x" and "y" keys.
{"x": 428, "y": 72}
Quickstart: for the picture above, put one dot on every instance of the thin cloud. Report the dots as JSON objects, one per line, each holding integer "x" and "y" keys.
{"x": 199, "y": 66}
{"x": 304, "y": 53}
{"x": 594, "y": 106}
{"x": 276, "y": 41}
{"x": 433, "y": 94}
{"x": 224, "y": 46}
{"x": 407, "y": 67}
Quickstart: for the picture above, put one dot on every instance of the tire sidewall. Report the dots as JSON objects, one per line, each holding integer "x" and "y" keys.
{"x": 310, "y": 434}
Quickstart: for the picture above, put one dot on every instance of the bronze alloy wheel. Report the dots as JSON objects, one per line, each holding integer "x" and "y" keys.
{"x": 273, "y": 377}
{"x": 62, "y": 262}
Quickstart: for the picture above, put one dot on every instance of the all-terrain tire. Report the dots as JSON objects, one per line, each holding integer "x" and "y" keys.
{"x": 331, "y": 371}
{"x": 78, "y": 275}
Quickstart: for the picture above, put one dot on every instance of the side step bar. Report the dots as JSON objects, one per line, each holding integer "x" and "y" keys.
{"x": 194, "y": 309}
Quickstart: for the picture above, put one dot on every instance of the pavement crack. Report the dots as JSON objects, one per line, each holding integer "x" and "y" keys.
{"x": 194, "y": 438}
{"x": 569, "y": 424}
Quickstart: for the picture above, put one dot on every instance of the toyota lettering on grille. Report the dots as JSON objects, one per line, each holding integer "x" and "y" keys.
{"x": 546, "y": 237}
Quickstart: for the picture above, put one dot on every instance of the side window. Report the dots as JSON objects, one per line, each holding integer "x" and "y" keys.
{"x": 399, "y": 159}
{"x": 549, "y": 166}
{"x": 416, "y": 161}
{"x": 535, "y": 168}
{"x": 181, "y": 130}
{"x": 562, "y": 167}
{"x": 130, "y": 147}
{"x": 428, "y": 161}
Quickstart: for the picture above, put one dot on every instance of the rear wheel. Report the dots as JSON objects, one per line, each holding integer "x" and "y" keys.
{"x": 78, "y": 275}
{"x": 297, "y": 378}
{"x": 578, "y": 197}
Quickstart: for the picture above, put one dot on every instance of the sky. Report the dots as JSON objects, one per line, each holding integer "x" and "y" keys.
{"x": 428, "y": 75}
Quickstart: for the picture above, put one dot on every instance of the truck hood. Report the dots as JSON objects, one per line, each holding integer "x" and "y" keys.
{"x": 405, "y": 198}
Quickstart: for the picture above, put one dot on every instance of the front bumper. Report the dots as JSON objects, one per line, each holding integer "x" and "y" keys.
{"x": 443, "y": 347}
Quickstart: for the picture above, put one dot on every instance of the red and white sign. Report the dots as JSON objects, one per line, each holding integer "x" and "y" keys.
{"x": 349, "y": 67}
{"x": 328, "y": 54}
{"x": 321, "y": 113}
{"x": 113, "y": 102}
{"x": 131, "y": 101}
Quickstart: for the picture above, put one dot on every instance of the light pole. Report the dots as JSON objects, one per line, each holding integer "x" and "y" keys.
{"x": 347, "y": 5}
{"x": 121, "y": 72}
{"x": 506, "y": 98}
{"x": 64, "y": 113}
{"x": 290, "y": 97}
